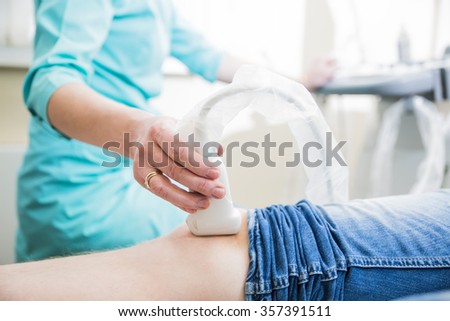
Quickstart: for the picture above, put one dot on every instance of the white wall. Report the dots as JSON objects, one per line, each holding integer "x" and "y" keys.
{"x": 16, "y": 23}
{"x": 269, "y": 32}
{"x": 366, "y": 31}
{"x": 13, "y": 137}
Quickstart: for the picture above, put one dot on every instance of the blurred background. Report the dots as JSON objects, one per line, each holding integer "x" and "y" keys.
{"x": 367, "y": 37}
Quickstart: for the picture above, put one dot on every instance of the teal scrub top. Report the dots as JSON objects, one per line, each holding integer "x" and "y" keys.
{"x": 67, "y": 201}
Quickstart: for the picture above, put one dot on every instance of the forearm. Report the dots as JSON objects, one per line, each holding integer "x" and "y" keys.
{"x": 319, "y": 73}
{"x": 81, "y": 113}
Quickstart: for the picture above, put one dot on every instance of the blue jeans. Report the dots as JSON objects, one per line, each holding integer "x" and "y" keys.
{"x": 378, "y": 249}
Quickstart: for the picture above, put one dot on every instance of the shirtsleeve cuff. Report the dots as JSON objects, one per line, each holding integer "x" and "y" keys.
{"x": 43, "y": 85}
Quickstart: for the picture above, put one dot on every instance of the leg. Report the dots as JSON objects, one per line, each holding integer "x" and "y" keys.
{"x": 374, "y": 249}
{"x": 179, "y": 266}
{"x": 394, "y": 246}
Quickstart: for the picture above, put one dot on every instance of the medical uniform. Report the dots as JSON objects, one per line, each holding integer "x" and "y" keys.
{"x": 67, "y": 201}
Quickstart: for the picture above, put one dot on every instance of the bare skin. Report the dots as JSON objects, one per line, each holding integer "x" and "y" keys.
{"x": 179, "y": 266}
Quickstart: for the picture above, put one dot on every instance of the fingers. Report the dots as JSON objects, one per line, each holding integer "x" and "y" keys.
{"x": 220, "y": 150}
{"x": 161, "y": 186}
{"x": 182, "y": 153}
{"x": 206, "y": 187}
{"x": 181, "y": 162}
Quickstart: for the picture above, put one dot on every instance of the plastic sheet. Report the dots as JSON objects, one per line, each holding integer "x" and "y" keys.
{"x": 447, "y": 136}
{"x": 430, "y": 172}
{"x": 281, "y": 100}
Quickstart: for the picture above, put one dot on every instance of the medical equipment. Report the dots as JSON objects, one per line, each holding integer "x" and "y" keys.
{"x": 430, "y": 172}
{"x": 416, "y": 86}
{"x": 428, "y": 79}
{"x": 404, "y": 47}
{"x": 282, "y": 100}
{"x": 221, "y": 218}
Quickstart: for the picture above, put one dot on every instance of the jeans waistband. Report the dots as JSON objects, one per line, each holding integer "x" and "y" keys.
{"x": 288, "y": 249}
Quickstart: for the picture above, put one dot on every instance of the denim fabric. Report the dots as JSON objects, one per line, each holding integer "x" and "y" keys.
{"x": 378, "y": 249}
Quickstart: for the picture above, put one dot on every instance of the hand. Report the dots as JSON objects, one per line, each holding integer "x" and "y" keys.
{"x": 321, "y": 72}
{"x": 156, "y": 135}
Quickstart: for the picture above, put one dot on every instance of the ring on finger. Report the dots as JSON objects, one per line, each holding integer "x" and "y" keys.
{"x": 149, "y": 176}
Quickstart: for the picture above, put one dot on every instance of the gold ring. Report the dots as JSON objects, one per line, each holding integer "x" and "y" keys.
{"x": 149, "y": 176}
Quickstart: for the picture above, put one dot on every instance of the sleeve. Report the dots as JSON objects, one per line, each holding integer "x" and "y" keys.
{"x": 193, "y": 50}
{"x": 69, "y": 33}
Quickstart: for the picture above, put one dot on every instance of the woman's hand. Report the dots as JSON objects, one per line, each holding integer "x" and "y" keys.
{"x": 158, "y": 150}
{"x": 321, "y": 72}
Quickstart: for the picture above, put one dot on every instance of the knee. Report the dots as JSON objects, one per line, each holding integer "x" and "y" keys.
{"x": 216, "y": 266}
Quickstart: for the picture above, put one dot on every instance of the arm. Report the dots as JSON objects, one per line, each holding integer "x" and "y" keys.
{"x": 81, "y": 113}
{"x": 68, "y": 37}
{"x": 179, "y": 266}
{"x": 320, "y": 72}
